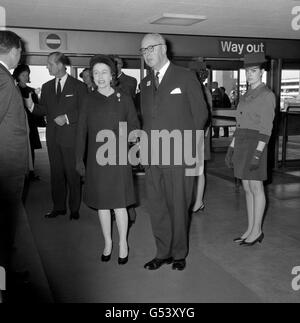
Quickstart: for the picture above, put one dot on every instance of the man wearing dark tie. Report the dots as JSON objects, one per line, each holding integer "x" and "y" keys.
{"x": 60, "y": 102}
{"x": 171, "y": 99}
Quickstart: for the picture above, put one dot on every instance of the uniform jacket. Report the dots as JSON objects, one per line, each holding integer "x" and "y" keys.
{"x": 256, "y": 111}
{"x": 13, "y": 129}
{"x": 70, "y": 103}
{"x": 177, "y": 104}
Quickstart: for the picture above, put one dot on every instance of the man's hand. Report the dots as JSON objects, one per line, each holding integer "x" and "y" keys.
{"x": 60, "y": 120}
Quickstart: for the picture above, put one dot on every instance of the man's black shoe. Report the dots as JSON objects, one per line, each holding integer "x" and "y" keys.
{"x": 156, "y": 263}
{"x": 74, "y": 216}
{"x": 179, "y": 264}
{"x": 54, "y": 214}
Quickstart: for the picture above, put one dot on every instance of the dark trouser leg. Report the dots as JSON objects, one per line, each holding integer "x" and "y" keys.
{"x": 11, "y": 189}
{"x": 216, "y": 132}
{"x": 226, "y": 131}
{"x": 73, "y": 178}
{"x": 159, "y": 214}
{"x": 179, "y": 190}
{"x": 58, "y": 180}
{"x": 131, "y": 214}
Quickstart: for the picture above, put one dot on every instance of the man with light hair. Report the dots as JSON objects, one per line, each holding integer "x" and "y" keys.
{"x": 172, "y": 100}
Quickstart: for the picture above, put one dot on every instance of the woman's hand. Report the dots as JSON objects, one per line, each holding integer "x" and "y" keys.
{"x": 255, "y": 160}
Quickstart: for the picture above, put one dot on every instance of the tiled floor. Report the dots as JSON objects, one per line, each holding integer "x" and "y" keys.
{"x": 218, "y": 270}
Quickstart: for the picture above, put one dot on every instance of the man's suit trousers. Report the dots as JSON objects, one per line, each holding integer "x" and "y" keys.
{"x": 169, "y": 196}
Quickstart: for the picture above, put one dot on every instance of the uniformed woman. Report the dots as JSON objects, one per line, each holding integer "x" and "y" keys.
{"x": 247, "y": 153}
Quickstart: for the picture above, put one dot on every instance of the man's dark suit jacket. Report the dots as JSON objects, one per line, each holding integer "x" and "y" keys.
{"x": 127, "y": 84}
{"x": 69, "y": 104}
{"x": 13, "y": 129}
{"x": 185, "y": 109}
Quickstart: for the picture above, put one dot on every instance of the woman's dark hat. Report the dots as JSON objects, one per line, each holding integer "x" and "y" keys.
{"x": 104, "y": 59}
{"x": 254, "y": 59}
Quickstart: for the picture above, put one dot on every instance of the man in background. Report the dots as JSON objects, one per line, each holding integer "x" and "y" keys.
{"x": 61, "y": 100}
{"x": 127, "y": 84}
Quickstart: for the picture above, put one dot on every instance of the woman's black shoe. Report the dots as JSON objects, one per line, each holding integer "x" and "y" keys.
{"x": 105, "y": 258}
{"x": 239, "y": 239}
{"x": 258, "y": 239}
{"x": 200, "y": 208}
{"x": 122, "y": 261}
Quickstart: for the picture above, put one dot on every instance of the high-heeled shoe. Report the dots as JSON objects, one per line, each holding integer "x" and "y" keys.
{"x": 259, "y": 239}
{"x": 123, "y": 261}
{"x": 106, "y": 258}
{"x": 239, "y": 239}
{"x": 200, "y": 208}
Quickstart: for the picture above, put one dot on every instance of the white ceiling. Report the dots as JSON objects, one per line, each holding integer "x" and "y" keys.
{"x": 245, "y": 18}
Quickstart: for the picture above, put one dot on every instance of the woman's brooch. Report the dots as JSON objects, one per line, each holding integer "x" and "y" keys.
{"x": 119, "y": 96}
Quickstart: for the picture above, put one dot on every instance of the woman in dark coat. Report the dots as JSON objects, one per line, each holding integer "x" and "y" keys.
{"x": 247, "y": 153}
{"x": 21, "y": 75}
{"x": 108, "y": 183}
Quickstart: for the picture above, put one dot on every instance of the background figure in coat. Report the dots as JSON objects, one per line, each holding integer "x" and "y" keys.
{"x": 202, "y": 74}
{"x": 247, "y": 153}
{"x": 61, "y": 100}
{"x": 171, "y": 99}
{"x": 14, "y": 153}
{"x": 108, "y": 184}
{"x": 21, "y": 75}
{"x": 87, "y": 79}
{"x": 127, "y": 84}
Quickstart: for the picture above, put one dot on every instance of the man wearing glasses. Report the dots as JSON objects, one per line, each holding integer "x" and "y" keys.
{"x": 171, "y": 99}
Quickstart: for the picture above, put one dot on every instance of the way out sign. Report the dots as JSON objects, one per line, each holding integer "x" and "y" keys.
{"x": 238, "y": 48}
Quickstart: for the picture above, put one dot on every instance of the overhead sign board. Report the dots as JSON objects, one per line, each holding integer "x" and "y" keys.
{"x": 238, "y": 48}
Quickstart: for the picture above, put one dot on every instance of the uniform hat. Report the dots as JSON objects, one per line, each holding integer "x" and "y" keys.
{"x": 254, "y": 59}
{"x": 197, "y": 65}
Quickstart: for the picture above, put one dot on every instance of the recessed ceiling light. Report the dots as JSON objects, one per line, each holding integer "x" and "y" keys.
{"x": 178, "y": 19}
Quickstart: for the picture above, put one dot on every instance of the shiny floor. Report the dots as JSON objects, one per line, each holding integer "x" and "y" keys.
{"x": 65, "y": 266}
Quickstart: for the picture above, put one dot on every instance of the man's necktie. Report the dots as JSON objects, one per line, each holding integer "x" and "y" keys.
{"x": 58, "y": 90}
{"x": 156, "y": 80}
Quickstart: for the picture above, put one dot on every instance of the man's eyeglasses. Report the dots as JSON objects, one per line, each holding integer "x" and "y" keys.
{"x": 148, "y": 49}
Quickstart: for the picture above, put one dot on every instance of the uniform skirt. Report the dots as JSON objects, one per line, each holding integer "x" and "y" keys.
{"x": 245, "y": 144}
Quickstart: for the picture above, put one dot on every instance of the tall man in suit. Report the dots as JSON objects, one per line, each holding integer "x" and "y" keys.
{"x": 61, "y": 100}
{"x": 171, "y": 99}
{"x": 14, "y": 152}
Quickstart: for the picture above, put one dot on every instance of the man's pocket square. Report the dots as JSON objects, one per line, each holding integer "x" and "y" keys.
{"x": 176, "y": 91}
{"x": 69, "y": 95}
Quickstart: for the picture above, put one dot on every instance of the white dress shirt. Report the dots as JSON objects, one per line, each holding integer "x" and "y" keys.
{"x": 162, "y": 71}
